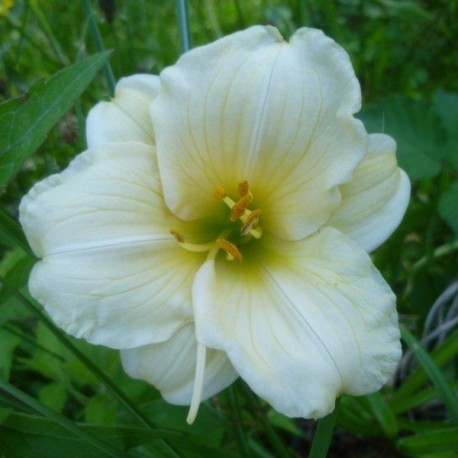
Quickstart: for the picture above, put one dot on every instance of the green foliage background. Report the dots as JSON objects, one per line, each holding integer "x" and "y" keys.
{"x": 61, "y": 397}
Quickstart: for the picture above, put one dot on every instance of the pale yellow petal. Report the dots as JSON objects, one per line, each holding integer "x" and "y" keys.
{"x": 170, "y": 367}
{"x": 126, "y": 117}
{"x": 375, "y": 200}
{"x": 302, "y": 322}
{"x": 253, "y": 107}
{"x": 110, "y": 271}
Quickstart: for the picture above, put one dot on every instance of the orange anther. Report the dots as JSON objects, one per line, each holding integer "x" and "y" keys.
{"x": 230, "y": 249}
{"x": 238, "y": 210}
{"x": 253, "y": 216}
{"x": 178, "y": 235}
{"x": 243, "y": 188}
{"x": 219, "y": 193}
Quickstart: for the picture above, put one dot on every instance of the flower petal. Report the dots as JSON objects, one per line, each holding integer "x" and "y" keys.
{"x": 111, "y": 272}
{"x": 301, "y": 322}
{"x": 252, "y": 107}
{"x": 170, "y": 367}
{"x": 126, "y": 117}
{"x": 375, "y": 201}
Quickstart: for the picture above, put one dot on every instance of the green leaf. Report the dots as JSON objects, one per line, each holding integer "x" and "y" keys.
{"x": 9, "y": 343}
{"x": 439, "y": 441}
{"x": 323, "y": 435}
{"x": 121, "y": 438}
{"x": 24, "y": 122}
{"x": 355, "y": 416}
{"x": 53, "y": 396}
{"x": 63, "y": 422}
{"x": 416, "y": 399}
{"x": 207, "y": 426}
{"x": 434, "y": 373}
{"x": 448, "y": 205}
{"x": 417, "y": 131}
{"x": 16, "y": 269}
{"x": 100, "y": 410}
{"x": 11, "y": 234}
{"x": 446, "y": 107}
{"x": 384, "y": 414}
{"x": 441, "y": 356}
{"x": 18, "y": 444}
{"x": 5, "y": 413}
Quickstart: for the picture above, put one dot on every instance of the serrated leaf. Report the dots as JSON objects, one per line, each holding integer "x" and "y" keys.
{"x": 448, "y": 207}
{"x": 24, "y": 122}
{"x": 417, "y": 131}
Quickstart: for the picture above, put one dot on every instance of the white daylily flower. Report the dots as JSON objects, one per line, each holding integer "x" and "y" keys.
{"x": 231, "y": 240}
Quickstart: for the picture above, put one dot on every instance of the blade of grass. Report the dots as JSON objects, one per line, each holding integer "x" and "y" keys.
{"x": 256, "y": 410}
{"x": 11, "y": 233}
{"x": 434, "y": 373}
{"x": 86, "y": 361}
{"x": 384, "y": 414}
{"x": 60, "y": 420}
{"x": 107, "y": 70}
{"x": 183, "y": 26}
{"x": 441, "y": 356}
{"x": 323, "y": 435}
{"x": 48, "y": 32}
{"x": 240, "y": 432}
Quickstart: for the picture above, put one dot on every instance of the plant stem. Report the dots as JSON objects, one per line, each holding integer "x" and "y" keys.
{"x": 107, "y": 71}
{"x": 323, "y": 435}
{"x": 437, "y": 253}
{"x": 183, "y": 25}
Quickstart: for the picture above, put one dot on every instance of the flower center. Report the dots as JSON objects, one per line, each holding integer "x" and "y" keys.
{"x": 242, "y": 226}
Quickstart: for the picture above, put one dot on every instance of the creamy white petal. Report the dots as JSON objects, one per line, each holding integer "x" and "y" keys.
{"x": 170, "y": 367}
{"x": 126, "y": 117}
{"x": 301, "y": 322}
{"x": 375, "y": 201}
{"x": 253, "y": 107}
{"x": 111, "y": 272}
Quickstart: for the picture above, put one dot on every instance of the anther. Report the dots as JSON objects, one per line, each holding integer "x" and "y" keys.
{"x": 243, "y": 188}
{"x": 238, "y": 210}
{"x": 250, "y": 221}
{"x": 219, "y": 193}
{"x": 178, "y": 235}
{"x": 230, "y": 249}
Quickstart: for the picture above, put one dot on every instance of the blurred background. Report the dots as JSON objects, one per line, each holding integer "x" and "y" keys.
{"x": 405, "y": 54}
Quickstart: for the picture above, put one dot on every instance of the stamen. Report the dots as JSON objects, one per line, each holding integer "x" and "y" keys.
{"x": 250, "y": 221}
{"x": 178, "y": 235}
{"x": 197, "y": 247}
{"x": 230, "y": 249}
{"x": 219, "y": 193}
{"x": 243, "y": 188}
{"x": 239, "y": 208}
{"x": 198, "y": 383}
